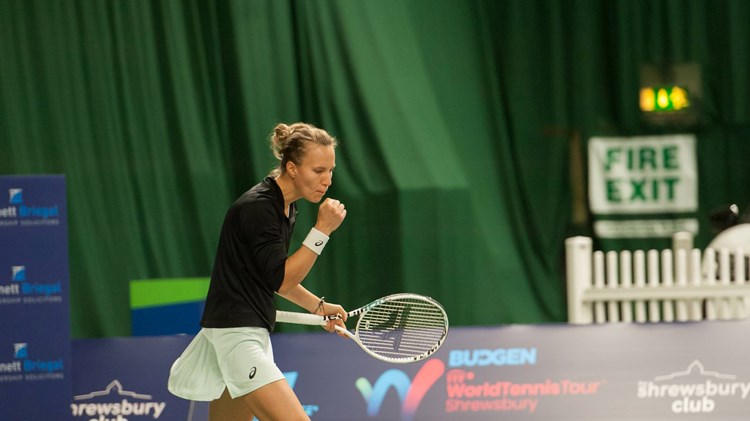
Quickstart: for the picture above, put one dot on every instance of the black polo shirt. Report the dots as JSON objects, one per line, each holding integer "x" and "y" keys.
{"x": 249, "y": 264}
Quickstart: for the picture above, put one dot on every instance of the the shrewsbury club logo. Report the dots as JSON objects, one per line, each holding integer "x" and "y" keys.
{"x": 694, "y": 390}
{"x": 410, "y": 392}
{"x": 114, "y": 403}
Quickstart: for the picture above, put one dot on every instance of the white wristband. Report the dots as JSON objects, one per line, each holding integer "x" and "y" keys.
{"x": 315, "y": 241}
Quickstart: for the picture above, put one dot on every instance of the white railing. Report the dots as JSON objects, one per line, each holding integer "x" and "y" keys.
{"x": 655, "y": 286}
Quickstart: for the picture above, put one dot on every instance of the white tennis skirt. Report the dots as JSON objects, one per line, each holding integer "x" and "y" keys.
{"x": 239, "y": 359}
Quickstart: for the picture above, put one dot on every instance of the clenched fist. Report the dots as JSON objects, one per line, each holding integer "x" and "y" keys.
{"x": 331, "y": 214}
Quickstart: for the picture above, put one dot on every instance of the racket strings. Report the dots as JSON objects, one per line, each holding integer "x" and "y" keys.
{"x": 402, "y": 328}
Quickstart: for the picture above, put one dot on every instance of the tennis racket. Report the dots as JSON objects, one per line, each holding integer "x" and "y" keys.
{"x": 398, "y": 328}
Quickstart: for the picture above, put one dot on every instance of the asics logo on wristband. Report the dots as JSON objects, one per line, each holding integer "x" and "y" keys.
{"x": 315, "y": 241}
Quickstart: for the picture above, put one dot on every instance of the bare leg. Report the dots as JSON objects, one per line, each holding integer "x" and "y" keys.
{"x": 273, "y": 402}
{"x": 227, "y": 409}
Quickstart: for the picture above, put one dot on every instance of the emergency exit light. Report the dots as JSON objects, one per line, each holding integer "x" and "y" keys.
{"x": 670, "y": 94}
{"x": 664, "y": 98}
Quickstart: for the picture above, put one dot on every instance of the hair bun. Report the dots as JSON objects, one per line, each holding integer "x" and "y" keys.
{"x": 282, "y": 132}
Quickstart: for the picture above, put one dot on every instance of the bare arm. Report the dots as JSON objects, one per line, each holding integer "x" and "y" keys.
{"x": 331, "y": 214}
{"x": 297, "y": 267}
{"x": 302, "y": 297}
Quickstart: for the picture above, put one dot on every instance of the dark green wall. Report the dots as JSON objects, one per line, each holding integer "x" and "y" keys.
{"x": 454, "y": 119}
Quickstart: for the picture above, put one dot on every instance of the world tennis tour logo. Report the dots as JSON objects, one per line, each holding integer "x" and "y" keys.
{"x": 410, "y": 392}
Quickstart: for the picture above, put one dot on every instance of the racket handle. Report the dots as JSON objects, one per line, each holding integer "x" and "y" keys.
{"x": 299, "y": 318}
{"x": 347, "y": 333}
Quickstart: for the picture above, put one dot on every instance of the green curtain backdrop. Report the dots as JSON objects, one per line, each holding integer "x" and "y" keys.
{"x": 460, "y": 123}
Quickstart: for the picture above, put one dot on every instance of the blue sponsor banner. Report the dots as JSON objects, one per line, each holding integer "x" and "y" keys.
{"x": 35, "y": 350}
{"x": 623, "y": 372}
{"x": 125, "y": 379}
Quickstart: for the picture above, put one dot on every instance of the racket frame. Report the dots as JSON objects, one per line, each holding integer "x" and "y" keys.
{"x": 316, "y": 320}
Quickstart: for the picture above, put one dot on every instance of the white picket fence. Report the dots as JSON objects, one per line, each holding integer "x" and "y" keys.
{"x": 655, "y": 286}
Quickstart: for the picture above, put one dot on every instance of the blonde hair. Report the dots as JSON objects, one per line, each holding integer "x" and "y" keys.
{"x": 289, "y": 142}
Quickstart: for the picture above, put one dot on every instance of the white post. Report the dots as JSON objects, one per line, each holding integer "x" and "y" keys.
{"x": 682, "y": 240}
{"x": 725, "y": 273}
{"x": 681, "y": 279}
{"x": 654, "y": 310}
{"x": 600, "y": 311}
{"x": 613, "y": 283}
{"x": 667, "y": 281}
{"x": 626, "y": 282}
{"x": 639, "y": 269}
{"x": 578, "y": 271}
{"x": 709, "y": 261}
{"x": 739, "y": 279}
{"x": 696, "y": 305}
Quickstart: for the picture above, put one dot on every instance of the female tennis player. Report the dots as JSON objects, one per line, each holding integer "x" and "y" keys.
{"x": 230, "y": 361}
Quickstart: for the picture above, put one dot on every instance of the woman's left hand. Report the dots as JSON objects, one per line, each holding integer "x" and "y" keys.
{"x": 331, "y": 309}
